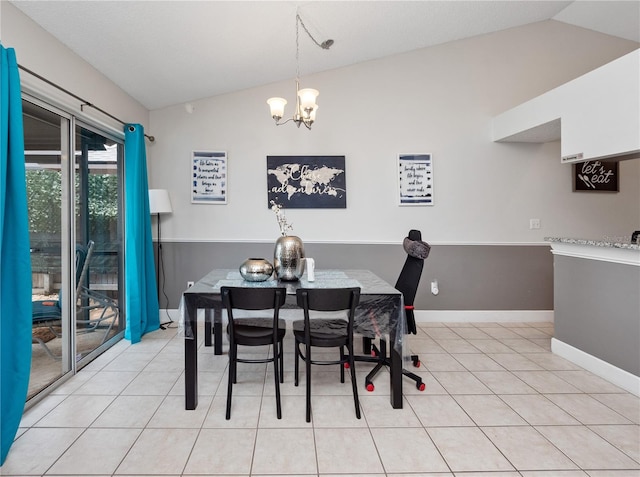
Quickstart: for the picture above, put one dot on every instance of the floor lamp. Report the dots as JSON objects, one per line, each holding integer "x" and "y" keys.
{"x": 159, "y": 203}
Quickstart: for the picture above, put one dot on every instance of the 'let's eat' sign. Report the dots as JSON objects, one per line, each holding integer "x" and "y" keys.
{"x": 594, "y": 176}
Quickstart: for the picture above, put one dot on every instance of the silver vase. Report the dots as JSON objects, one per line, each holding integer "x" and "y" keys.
{"x": 256, "y": 270}
{"x": 288, "y": 258}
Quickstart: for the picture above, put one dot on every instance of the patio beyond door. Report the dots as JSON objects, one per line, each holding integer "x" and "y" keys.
{"x": 74, "y": 191}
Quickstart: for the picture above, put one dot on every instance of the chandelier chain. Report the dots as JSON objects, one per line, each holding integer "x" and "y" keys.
{"x": 325, "y": 45}
{"x": 319, "y": 45}
{"x": 298, "y": 21}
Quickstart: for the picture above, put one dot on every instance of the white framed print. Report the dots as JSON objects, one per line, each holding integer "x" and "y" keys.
{"x": 209, "y": 177}
{"x": 415, "y": 179}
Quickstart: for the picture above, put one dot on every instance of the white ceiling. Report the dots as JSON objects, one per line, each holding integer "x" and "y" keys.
{"x": 170, "y": 52}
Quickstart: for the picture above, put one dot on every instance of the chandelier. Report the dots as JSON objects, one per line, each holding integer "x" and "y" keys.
{"x": 306, "y": 105}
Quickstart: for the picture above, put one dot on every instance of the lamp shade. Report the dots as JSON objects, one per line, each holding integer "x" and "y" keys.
{"x": 277, "y": 106}
{"x": 159, "y": 201}
{"x": 308, "y": 98}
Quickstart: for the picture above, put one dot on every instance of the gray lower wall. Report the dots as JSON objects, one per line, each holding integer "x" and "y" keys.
{"x": 470, "y": 277}
{"x": 597, "y": 309}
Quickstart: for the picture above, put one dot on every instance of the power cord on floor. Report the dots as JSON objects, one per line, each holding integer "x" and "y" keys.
{"x": 167, "y": 324}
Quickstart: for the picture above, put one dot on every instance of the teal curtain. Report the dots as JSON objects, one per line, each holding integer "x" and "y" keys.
{"x": 141, "y": 298}
{"x": 15, "y": 258}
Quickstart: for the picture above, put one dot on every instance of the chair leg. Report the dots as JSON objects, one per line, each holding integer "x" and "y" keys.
{"x": 356, "y": 400}
{"x": 276, "y": 379}
{"x": 296, "y": 366}
{"x": 281, "y": 362}
{"x": 232, "y": 371}
{"x": 342, "y": 366}
{"x": 235, "y": 364}
{"x": 382, "y": 360}
{"x": 308, "y": 370}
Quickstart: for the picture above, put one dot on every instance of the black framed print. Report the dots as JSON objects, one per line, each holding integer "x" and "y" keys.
{"x": 307, "y": 182}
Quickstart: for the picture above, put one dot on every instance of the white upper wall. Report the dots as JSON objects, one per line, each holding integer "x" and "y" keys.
{"x": 41, "y": 53}
{"x": 438, "y": 100}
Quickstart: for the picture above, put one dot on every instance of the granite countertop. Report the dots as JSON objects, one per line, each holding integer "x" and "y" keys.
{"x": 607, "y": 242}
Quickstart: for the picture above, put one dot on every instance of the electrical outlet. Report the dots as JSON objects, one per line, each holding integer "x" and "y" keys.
{"x": 189, "y": 284}
{"x": 534, "y": 224}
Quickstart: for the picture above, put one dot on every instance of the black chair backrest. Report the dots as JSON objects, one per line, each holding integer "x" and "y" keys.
{"x": 253, "y": 298}
{"x": 409, "y": 280}
{"x": 328, "y": 299}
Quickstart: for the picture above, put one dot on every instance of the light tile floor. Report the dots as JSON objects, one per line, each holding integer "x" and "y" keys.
{"x": 497, "y": 403}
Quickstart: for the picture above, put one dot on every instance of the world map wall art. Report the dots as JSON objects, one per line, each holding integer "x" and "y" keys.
{"x": 307, "y": 182}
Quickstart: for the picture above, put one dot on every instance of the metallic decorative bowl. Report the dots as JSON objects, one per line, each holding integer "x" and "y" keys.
{"x": 256, "y": 270}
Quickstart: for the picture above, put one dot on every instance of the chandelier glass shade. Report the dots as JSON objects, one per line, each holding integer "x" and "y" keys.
{"x": 306, "y": 99}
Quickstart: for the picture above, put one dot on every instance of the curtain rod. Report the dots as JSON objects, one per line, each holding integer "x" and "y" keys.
{"x": 83, "y": 101}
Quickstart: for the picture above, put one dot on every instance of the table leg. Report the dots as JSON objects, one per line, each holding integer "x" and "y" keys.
{"x": 395, "y": 372}
{"x": 191, "y": 358}
{"x": 208, "y": 329}
{"x": 213, "y": 326}
{"x": 366, "y": 346}
{"x": 217, "y": 331}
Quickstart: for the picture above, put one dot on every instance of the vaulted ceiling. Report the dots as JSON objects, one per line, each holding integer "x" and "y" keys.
{"x": 170, "y": 52}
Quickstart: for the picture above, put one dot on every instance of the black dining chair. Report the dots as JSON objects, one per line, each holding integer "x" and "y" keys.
{"x": 326, "y": 333}
{"x": 258, "y": 331}
{"x": 407, "y": 284}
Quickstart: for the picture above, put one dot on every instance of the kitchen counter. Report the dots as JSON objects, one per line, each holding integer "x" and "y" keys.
{"x": 595, "y": 243}
{"x": 626, "y": 253}
{"x": 597, "y": 307}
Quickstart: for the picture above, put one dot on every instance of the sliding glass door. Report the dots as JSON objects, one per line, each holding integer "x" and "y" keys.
{"x": 47, "y": 136}
{"x": 98, "y": 189}
{"x": 74, "y": 189}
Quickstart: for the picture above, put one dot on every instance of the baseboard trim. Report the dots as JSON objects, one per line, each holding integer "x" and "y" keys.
{"x": 619, "y": 377}
{"x": 484, "y": 316}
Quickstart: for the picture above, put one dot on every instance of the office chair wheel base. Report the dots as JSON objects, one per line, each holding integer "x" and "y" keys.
{"x": 416, "y": 363}
{"x": 420, "y": 386}
{"x": 370, "y": 387}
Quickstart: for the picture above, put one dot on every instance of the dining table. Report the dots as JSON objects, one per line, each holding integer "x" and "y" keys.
{"x": 380, "y": 313}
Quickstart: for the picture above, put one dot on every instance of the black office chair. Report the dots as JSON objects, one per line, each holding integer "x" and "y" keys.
{"x": 326, "y": 333}
{"x": 408, "y": 281}
{"x": 255, "y": 331}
